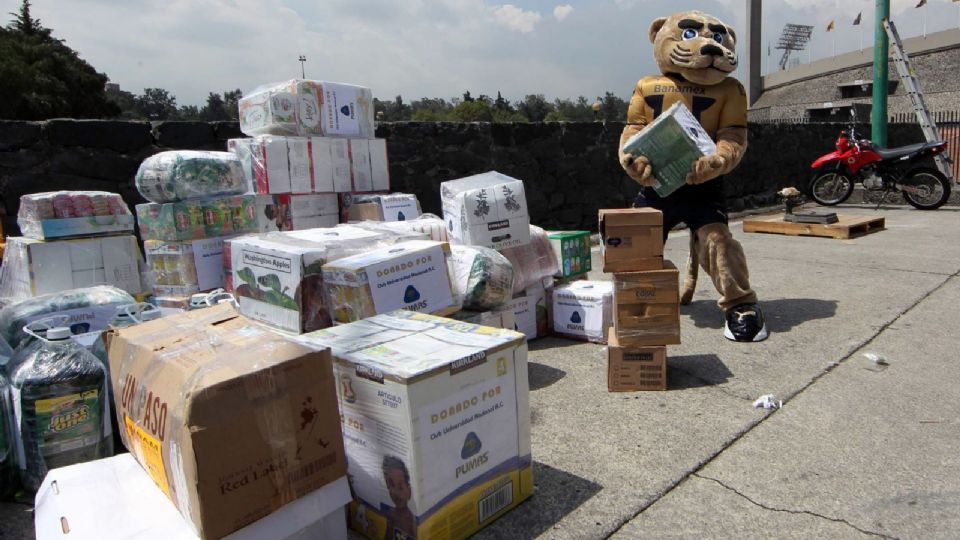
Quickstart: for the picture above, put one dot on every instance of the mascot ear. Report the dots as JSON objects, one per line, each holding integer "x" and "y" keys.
{"x": 655, "y": 27}
{"x": 732, "y": 34}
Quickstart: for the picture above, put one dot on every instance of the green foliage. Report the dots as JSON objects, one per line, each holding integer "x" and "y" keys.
{"x": 473, "y": 110}
{"x": 156, "y": 104}
{"x": 612, "y": 108}
{"x": 43, "y": 78}
{"x": 535, "y": 107}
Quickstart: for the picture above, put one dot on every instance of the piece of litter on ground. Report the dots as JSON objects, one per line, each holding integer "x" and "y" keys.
{"x": 768, "y": 401}
{"x": 876, "y": 359}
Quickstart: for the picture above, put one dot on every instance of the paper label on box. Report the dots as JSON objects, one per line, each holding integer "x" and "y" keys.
{"x": 341, "y": 116}
{"x": 399, "y": 208}
{"x": 418, "y": 281}
{"x": 467, "y": 436}
{"x": 525, "y": 316}
{"x": 208, "y": 258}
{"x": 309, "y": 110}
{"x": 577, "y": 316}
{"x": 148, "y": 450}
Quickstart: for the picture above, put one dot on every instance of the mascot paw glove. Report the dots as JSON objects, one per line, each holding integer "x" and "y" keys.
{"x": 638, "y": 168}
{"x": 706, "y": 168}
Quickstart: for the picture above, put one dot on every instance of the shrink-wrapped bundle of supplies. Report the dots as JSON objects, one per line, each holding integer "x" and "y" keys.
{"x": 180, "y": 175}
{"x": 431, "y": 226}
{"x": 60, "y": 214}
{"x": 532, "y": 262}
{"x": 308, "y": 108}
{"x": 483, "y": 278}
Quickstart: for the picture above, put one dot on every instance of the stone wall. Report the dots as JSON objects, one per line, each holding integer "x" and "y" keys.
{"x": 570, "y": 170}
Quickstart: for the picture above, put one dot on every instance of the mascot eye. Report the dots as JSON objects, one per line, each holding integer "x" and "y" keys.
{"x": 689, "y": 33}
{"x": 718, "y": 38}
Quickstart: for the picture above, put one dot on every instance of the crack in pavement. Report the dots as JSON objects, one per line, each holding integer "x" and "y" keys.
{"x": 788, "y": 511}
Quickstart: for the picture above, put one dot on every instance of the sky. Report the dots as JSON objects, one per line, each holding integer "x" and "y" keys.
{"x": 425, "y": 48}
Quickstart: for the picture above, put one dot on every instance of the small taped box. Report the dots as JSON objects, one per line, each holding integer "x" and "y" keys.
{"x": 647, "y": 307}
{"x": 631, "y": 239}
{"x": 582, "y": 310}
{"x": 635, "y": 369}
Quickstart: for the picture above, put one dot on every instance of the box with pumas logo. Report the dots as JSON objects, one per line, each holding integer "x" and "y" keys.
{"x": 436, "y": 423}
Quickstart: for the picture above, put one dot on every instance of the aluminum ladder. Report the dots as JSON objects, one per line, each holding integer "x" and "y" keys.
{"x": 909, "y": 78}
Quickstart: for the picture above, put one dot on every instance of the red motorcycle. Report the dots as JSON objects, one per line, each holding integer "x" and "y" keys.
{"x": 879, "y": 169}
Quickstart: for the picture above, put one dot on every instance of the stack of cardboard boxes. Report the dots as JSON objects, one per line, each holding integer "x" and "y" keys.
{"x": 646, "y": 302}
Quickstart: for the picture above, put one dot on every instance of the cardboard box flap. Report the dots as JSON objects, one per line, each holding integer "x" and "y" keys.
{"x": 628, "y": 217}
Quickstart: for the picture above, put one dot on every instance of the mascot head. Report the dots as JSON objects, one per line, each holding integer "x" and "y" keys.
{"x": 694, "y": 45}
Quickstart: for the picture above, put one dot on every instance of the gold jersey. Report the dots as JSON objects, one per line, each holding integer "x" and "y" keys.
{"x": 717, "y": 107}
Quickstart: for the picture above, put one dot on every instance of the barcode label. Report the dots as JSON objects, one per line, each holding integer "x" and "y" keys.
{"x": 496, "y": 501}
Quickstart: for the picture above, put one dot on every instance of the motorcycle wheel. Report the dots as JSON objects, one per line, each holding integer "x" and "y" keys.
{"x": 933, "y": 189}
{"x": 830, "y": 187}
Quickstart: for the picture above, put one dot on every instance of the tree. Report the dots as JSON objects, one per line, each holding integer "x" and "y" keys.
{"x": 40, "y": 77}
{"x": 156, "y": 104}
{"x": 535, "y": 107}
{"x": 215, "y": 109}
{"x": 612, "y": 108}
{"x": 474, "y": 110}
{"x": 231, "y": 101}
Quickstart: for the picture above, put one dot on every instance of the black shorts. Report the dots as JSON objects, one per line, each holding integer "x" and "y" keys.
{"x": 695, "y": 206}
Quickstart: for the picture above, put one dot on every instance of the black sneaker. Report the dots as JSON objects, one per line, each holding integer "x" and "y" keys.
{"x": 745, "y": 323}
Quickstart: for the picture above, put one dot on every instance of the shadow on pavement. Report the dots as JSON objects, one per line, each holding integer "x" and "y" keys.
{"x": 542, "y": 375}
{"x": 552, "y": 342}
{"x": 781, "y": 314}
{"x": 695, "y": 371}
{"x": 556, "y": 494}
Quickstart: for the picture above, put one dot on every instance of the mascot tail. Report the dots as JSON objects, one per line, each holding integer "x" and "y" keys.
{"x": 693, "y": 268}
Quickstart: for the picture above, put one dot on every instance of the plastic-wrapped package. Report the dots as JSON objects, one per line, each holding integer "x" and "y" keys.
{"x": 195, "y": 219}
{"x": 62, "y": 214}
{"x": 429, "y": 227}
{"x": 241, "y": 421}
{"x": 182, "y": 268}
{"x": 36, "y": 267}
{"x": 277, "y": 276}
{"x": 389, "y": 207}
{"x": 412, "y": 275}
{"x": 648, "y": 307}
{"x": 307, "y": 107}
{"x": 291, "y": 212}
{"x": 532, "y": 262}
{"x": 89, "y": 311}
{"x": 483, "y": 278}
{"x": 60, "y": 404}
{"x": 8, "y": 464}
{"x": 180, "y": 175}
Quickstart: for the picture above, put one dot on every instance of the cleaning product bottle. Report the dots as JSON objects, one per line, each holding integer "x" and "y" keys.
{"x": 8, "y": 471}
{"x": 60, "y": 406}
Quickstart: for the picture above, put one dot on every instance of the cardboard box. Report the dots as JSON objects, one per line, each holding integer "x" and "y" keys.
{"x": 277, "y": 277}
{"x": 184, "y": 268}
{"x": 647, "y": 307}
{"x": 411, "y": 275}
{"x": 287, "y": 212}
{"x": 229, "y": 419}
{"x": 572, "y": 250}
{"x": 198, "y": 218}
{"x": 114, "y": 499}
{"x": 308, "y": 108}
{"x": 501, "y": 318}
{"x": 361, "y": 171}
{"x": 35, "y": 267}
{"x": 631, "y": 369}
{"x": 443, "y": 400}
{"x": 382, "y": 207}
{"x": 488, "y": 209}
{"x": 379, "y": 165}
{"x": 631, "y": 239}
{"x": 49, "y": 229}
{"x": 530, "y": 312}
{"x": 583, "y": 310}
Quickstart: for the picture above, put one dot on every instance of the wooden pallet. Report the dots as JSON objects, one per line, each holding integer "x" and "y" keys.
{"x": 846, "y": 227}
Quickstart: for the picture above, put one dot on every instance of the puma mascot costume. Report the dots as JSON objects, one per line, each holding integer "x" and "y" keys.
{"x": 695, "y": 54}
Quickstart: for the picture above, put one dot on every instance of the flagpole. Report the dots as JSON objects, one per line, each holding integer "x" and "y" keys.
{"x": 924, "y": 21}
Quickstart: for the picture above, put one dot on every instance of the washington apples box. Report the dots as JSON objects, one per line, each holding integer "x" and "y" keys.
{"x": 487, "y": 209}
{"x": 631, "y": 239}
{"x": 115, "y": 499}
{"x": 182, "y": 268}
{"x": 647, "y": 307}
{"x": 630, "y": 369}
{"x": 438, "y": 411}
{"x": 290, "y": 212}
{"x": 583, "y": 310}
{"x": 411, "y": 275}
{"x": 229, "y": 419}
{"x": 35, "y": 267}
{"x": 277, "y": 277}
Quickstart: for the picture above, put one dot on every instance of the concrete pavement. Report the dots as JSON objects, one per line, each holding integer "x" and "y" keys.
{"x": 857, "y": 450}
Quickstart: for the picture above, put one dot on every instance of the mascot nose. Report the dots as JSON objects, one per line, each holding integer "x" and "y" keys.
{"x": 712, "y": 50}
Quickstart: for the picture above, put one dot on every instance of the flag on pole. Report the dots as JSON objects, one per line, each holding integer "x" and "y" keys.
{"x": 857, "y": 20}
{"x": 921, "y": 3}
{"x": 830, "y": 27}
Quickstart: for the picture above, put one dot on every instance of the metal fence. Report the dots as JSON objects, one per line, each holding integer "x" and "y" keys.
{"x": 948, "y": 124}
